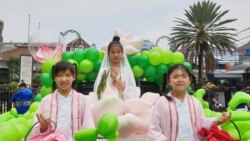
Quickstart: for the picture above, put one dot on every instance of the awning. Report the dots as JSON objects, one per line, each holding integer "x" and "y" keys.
{"x": 228, "y": 75}
{"x": 235, "y": 71}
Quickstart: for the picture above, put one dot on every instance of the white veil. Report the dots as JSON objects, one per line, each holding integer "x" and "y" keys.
{"x": 106, "y": 64}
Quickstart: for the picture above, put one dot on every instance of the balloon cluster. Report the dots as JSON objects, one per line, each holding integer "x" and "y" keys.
{"x": 240, "y": 118}
{"x": 107, "y": 127}
{"x": 151, "y": 65}
{"x": 14, "y": 127}
{"x": 87, "y": 62}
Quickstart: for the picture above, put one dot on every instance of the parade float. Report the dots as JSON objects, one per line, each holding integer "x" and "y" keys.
{"x": 147, "y": 66}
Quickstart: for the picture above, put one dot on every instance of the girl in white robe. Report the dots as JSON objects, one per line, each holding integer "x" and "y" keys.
{"x": 115, "y": 91}
{"x": 179, "y": 116}
{"x": 69, "y": 109}
{"x": 115, "y": 76}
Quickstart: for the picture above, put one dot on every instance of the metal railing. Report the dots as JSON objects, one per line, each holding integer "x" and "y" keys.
{"x": 5, "y": 95}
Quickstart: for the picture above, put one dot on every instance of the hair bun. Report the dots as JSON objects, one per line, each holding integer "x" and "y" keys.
{"x": 116, "y": 38}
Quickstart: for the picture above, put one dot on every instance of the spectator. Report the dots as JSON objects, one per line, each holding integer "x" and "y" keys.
{"x": 210, "y": 95}
{"x": 22, "y": 98}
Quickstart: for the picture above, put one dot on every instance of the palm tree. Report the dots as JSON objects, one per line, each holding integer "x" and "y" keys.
{"x": 202, "y": 33}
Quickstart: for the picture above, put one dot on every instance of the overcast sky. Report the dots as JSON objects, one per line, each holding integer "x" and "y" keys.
{"x": 96, "y": 20}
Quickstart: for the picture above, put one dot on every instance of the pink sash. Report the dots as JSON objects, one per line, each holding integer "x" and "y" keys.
{"x": 174, "y": 115}
{"x": 75, "y": 110}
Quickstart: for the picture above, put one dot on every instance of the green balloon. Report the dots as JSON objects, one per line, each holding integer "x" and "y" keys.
{"x": 156, "y": 49}
{"x": 87, "y": 134}
{"x": 113, "y": 137}
{"x": 107, "y": 125}
{"x": 33, "y": 107}
{"x": 187, "y": 65}
{"x": 78, "y": 55}
{"x": 21, "y": 119}
{"x": 133, "y": 59}
{"x": 145, "y": 53}
{"x": 86, "y": 66}
{"x": 38, "y": 97}
{"x": 92, "y": 54}
{"x": 155, "y": 58}
{"x": 246, "y": 136}
{"x": 101, "y": 54}
{"x": 199, "y": 94}
{"x": 4, "y": 124}
{"x": 178, "y": 57}
{"x": 240, "y": 116}
{"x": 190, "y": 90}
{"x": 233, "y": 133}
{"x": 138, "y": 71}
{"x": 13, "y": 111}
{"x": 22, "y": 129}
{"x": 26, "y": 115}
{"x": 208, "y": 112}
{"x": 97, "y": 65}
{"x": 238, "y": 98}
{"x": 91, "y": 76}
{"x": 66, "y": 56}
{"x": 46, "y": 79}
{"x": 81, "y": 76}
{"x": 158, "y": 79}
{"x": 167, "y": 57}
{"x": 13, "y": 121}
{"x": 74, "y": 62}
{"x": 2, "y": 137}
{"x": 47, "y": 65}
{"x": 151, "y": 78}
{"x": 149, "y": 71}
{"x": 29, "y": 123}
{"x": 10, "y": 132}
{"x": 143, "y": 61}
{"x": 5, "y": 117}
{"x": 161, "y": 69}
{"x": 45, "y": 91}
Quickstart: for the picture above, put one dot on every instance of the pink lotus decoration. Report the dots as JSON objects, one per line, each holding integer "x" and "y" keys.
{"x": 45, "y": 46}
{"x": 45, "y": 52}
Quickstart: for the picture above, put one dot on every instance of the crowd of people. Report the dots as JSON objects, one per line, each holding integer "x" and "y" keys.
{"x": 176, "y": 115}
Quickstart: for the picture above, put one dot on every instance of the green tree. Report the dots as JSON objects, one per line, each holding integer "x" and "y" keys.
{"x": 14, "y": 68}
{"x": 203, "y": 33}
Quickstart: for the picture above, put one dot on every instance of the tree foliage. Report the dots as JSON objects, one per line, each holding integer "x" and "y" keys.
{"x": 203, "y": 33}
{"x": 14, "y": 68}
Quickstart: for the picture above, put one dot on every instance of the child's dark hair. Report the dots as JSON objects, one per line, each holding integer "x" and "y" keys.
{"x": 167, "y": 77}
{"x": 208, "y": 81}
{"x": 63, "y": 66}
{"x": 115, "y": 41}
{"x": 22, "y": 84}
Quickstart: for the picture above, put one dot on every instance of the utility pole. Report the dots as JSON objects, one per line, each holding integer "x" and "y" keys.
{"x": 1, "y": 38}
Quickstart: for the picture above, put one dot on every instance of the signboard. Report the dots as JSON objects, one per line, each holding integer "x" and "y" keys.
{"x": 26, "y": 68}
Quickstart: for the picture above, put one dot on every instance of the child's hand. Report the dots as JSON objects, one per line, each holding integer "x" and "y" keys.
{"x": 225, "y": 117}
{"x": 119, "y": 85}
{"x": 44, "y": 123}
{"x": 115, "y": 73}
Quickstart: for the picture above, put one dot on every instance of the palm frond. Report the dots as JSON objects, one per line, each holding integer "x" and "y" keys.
{"x": 202, "y": 33}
